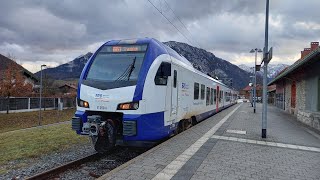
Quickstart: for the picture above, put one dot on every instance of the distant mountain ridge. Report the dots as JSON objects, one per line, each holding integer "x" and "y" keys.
{"x": 201, "y": 59}
{"x": 70, "y": 70}
{"x": 273, "y": 69}
{"x": 208, "y": 63}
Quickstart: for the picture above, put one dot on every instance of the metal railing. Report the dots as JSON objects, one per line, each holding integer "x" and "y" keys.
{"x": 23, "y": 104}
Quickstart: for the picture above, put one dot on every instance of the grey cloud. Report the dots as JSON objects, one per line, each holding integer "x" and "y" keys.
{"x": 42, "y": 28}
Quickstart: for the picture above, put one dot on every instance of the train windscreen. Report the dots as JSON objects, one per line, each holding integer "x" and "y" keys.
{"x": 118, "y": 64}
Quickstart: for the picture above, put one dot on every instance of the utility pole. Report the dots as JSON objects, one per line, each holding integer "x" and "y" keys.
{"x": 266, "y": 59}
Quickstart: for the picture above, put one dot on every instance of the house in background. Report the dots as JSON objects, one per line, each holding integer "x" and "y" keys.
{"x": 246, "y": 92}
{"x": 30, "y": 78}
{"x": 15, "y": 80}
{"x": 8, "y": 64}
{"x": 298, "y": 87}
{"x": 68, "y": 89}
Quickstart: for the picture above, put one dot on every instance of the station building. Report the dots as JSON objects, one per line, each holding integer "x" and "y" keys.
{"x": 298, "y": 87}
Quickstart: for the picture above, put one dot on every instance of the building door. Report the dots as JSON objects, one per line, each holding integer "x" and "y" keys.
{"x": 293, "y": 95}
{"x": 319, "y": 94}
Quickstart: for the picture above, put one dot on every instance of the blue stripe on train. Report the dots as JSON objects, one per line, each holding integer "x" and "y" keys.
{"x": 83, "y": 116}
{"x": 150, "y": 127}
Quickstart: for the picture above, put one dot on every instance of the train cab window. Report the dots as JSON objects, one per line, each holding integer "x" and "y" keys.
{"x": 208, "y": 96}
{"x": 215, "y": 95}
{"x": 211, "y": 96}
{"x": 174, "y": 78}
{"x": 202, "y": 91}
{"x": 196, "y": 91}
{"x": 162, "y": 74}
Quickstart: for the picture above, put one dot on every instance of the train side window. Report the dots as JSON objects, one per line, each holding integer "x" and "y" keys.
{"x": 211, "y": 96}
{"x": 196, "y": 91}
{"x": 220, "y": 96}
{"x": 162, "y": 74}
{"x": 174, "y": 78}
{"x": 215, "y": 95}
{"x": 202, "y": 91}
{"x": 208, "y": 96}
{"x": 226, "y": 95}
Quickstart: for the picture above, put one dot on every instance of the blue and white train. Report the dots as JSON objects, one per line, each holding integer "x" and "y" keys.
{"x": 138, "y": 92}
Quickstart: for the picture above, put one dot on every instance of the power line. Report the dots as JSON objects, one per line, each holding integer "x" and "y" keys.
{"x": 181, "y": 22}
{"x": 170, "y": 22}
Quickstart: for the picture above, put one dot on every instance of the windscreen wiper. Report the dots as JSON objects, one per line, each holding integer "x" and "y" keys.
{"x": 127, "y": 73}
{"x": 132, "y": 67}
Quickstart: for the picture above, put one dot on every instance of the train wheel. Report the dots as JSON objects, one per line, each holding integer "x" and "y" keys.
{"x": 106, "y": 139}
{"x": 193, "y": 120}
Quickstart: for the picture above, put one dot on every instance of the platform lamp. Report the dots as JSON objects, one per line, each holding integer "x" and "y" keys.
{"x": 43, "y": 65}
{"x": 256, "y": 50}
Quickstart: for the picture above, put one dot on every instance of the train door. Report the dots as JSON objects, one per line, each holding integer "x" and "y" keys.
{"x": 174, "y": 94}
{"x": 172, "y": 98}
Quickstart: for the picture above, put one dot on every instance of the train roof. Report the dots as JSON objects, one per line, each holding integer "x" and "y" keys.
{"x": 164, "y": 47}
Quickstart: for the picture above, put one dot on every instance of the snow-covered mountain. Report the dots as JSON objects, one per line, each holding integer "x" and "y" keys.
{"x": 208, "y": 63}
{"x": 70, "y": 70}
{"x": 273, "y": 69}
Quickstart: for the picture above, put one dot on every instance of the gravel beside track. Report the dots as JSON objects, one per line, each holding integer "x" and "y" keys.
{"x": 34, "y": 166}
{"x": 21, "y": 169}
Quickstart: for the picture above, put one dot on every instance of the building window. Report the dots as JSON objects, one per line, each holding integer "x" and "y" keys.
{"x": 208, "y": 96}
{"x": 293, "y": 95}
{"x": 202, "y": 91}
{"x": 196, "y": 91}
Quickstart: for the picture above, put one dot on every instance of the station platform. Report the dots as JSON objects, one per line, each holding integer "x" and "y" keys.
{"x": 228, "y": 145}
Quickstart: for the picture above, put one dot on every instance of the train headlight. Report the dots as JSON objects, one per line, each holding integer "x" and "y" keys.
{"x": 128, "y": 106}
{"x": 83, "y": 103}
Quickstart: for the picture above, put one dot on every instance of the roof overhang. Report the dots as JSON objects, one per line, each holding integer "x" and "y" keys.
{"x": 308, "y": 59}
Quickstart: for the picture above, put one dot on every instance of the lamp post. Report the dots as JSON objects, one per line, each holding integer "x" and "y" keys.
{"x": 39, "y": 123}
{"x": 256, "y": 50}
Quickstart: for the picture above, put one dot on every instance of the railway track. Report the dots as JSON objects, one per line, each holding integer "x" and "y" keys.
{"x": 60, "y": 169}
{"x": 119, "y": 154}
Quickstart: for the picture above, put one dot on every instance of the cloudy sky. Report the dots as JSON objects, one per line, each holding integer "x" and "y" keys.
{"x": 57, "y": 31}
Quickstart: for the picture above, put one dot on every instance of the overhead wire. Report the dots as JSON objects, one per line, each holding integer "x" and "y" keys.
{"x": 181, "y": 22}
{"x": 170, "y": 22}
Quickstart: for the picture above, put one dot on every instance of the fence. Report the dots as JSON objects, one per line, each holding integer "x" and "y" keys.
{"x": 23, "y": 104}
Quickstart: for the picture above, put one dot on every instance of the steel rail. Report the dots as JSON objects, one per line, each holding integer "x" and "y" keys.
{"x": 62, "y": 168}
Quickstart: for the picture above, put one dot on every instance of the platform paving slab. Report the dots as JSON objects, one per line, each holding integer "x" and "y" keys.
{"x": 210, "y": 151}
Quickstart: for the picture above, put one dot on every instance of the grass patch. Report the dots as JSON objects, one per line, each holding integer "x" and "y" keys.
{"x": 35, "y": 142}
{"x": 14, "y": 121}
